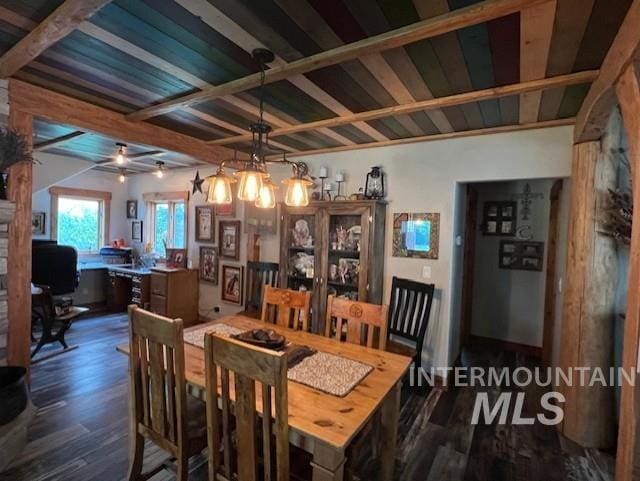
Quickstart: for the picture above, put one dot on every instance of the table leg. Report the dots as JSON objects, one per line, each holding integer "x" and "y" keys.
{"x": 390, "y": 412}
{"x": 328, "y": 463}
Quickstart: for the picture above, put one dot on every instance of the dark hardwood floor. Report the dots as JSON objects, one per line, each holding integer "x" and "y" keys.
{"x": 80, "y": 431}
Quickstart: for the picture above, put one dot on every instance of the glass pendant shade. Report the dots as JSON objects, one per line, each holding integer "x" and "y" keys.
{"x": 250, "y": 184}
{"x": 297, "y": 193}
{"x": 267, "y": 197}
{"x": 220, "y": 189}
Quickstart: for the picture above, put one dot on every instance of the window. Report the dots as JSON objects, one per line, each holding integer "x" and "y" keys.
{"x": 166, "y": 220}
{"x": 79, "y": 218}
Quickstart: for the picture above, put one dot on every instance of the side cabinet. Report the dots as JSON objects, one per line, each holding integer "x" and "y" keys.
{"x": 333, "y": 248}
{"x": 174, "y": 293}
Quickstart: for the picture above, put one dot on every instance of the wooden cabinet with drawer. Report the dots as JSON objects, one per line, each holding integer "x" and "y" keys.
{"x": 174, "y": 293}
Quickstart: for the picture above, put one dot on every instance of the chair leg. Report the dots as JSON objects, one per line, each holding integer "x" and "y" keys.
{"x": 136, "y": 455}
{"x": 41, "y": 343}
{"x": 182, "y": 464}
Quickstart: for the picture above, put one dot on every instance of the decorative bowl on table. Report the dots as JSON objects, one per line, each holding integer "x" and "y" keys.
{"x": 267, "y": 338}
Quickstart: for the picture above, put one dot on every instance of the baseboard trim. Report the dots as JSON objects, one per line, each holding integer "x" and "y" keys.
{"x": 500, "y": 344}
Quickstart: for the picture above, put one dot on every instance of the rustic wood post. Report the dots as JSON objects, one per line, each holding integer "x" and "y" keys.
{"x": 627, "y": 460}
{"x": 19, "y": 261}
{"x": 253, "y": 247}
{"x": 591, "y": 278}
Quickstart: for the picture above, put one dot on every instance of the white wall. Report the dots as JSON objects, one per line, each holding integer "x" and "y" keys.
{"x": 509, "y": 304}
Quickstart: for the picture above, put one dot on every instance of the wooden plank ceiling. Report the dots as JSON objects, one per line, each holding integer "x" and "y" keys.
{"x": 132, "y": 54}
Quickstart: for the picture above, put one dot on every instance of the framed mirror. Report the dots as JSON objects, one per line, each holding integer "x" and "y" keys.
{"x": 416, "y": 235}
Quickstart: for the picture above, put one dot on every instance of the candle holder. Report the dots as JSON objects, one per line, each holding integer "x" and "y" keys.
{"x": 339, "y": 181}
{"x": 339, "y": 196}
{"x": 322, "y": 176}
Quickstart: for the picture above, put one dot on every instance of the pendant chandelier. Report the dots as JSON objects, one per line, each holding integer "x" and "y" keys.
{"x": 254, "y": 181}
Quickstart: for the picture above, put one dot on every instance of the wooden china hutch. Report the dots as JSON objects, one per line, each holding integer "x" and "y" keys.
{"x": 333, "y": 247}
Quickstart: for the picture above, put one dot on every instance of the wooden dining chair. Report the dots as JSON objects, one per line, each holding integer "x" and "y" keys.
{"x": 366, "y": 324}
{"x": 410, "y": 308}
{"x": 225, "y": 360}
{"x": 158, "y": 403}
{"x": 259, "y": 274}
{"x": 286, "y": 308}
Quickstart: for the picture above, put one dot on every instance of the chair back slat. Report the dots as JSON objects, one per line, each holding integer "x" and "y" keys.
{"x": 157, "y": 377}
{"x": 259, "y": 274}
{"x": 286, "y": 308}
{"x": 366, "y": 324}
{"x": 411, "y": 303}
{"x": 252, "y": 368}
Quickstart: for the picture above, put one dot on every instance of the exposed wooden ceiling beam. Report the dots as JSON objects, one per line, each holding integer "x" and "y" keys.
{"x": 455, "y": 20}
{"x": 55, "y": 27}
{"x": 536, "y": 30}
{"x": 47, "y": 144}
{"x": 451, "y": 135}
{"x": 601, "y": 99}
{"x": 436, "y": 103}
{"x": 56, "y": 107}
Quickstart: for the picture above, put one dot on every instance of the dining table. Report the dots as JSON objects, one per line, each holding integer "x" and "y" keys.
{"x": 324, "y": 424}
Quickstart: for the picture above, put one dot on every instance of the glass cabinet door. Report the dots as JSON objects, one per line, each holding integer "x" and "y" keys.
{"x": 300, "y": 261}
{"x": 347, "y": 254}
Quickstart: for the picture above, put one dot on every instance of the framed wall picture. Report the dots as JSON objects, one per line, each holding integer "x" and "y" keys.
{"x": 416, "y": 235}
{"x": 136, "y": 231}
{"x": 229, "y": 242}
{"x": 132, "y": 209}
{"x": 500, "y": 218}
{"x": 232, "y": 284}
{"x": 209, "y": 264}
{"x": 38, "y": 226}
{"x": 521, "y": 255}
{"x": 226, "y": 210}
{"x": 205, "y": 226}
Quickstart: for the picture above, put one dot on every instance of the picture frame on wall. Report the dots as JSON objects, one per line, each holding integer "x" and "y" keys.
{"x": 38, "y": 226}
{"x": 521, "y": 255}
{"x": 500, "y": 218}
{"x": 136, "y": 231}
{"x": 209, "y": 262}
{"x": 226, "y": 210}
{"x": 229, "y": 239}
{"x": 416, "y": 235}
{"x": 232, "y": 284}
{"x": 205, "y": 223}
{"x": 132, "y": 209}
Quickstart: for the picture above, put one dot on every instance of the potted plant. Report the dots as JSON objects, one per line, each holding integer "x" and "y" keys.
{"x": 14, "y": 148}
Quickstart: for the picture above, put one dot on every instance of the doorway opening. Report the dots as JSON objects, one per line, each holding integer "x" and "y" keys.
{"x": 513, "y": 258}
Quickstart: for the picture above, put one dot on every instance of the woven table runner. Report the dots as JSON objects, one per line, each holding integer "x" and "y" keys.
{"x": 328, "y": 373}
{"x": 196, "y": 336}
{"x": 325, "y": 372}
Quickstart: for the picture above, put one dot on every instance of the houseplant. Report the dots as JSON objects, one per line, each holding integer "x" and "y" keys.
{"x": 14, "y": 148}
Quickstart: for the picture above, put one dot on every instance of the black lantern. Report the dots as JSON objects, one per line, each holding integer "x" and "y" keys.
{"x": 374, "y": 187}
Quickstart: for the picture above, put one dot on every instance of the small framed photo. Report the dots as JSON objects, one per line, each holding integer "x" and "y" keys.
{"x": 506, "y": 227}
{"x": 492, "y": 227}
{"x": 205, "y": 217}
{"x": 508, "y": 262}
{"x": 226, "y": 210}
{"x": 232, "y": 284}
{"x": 132, "y": 209}
{"x": 508, "y": 248}
{"x": 229, "y": 242}
{"x": 176, "y": 258}
{"x": 209, "y": 264}
{"x": 532, "y": 263}
{"x": 136, "y": 231}
{"x": 38, "y": 223}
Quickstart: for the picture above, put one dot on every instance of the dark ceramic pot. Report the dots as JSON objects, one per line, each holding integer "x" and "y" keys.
{"x": 13, "y": 393}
